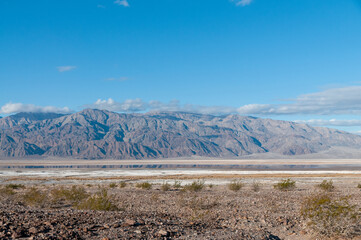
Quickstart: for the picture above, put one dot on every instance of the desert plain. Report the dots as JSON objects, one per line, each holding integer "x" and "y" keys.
{"x": 174, "y": 199}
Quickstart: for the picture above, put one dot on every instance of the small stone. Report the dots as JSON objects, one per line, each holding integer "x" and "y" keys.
{"x": 163, "y": 233}
{"x": 33, "y": 230}
{"x": 130, "y": 222}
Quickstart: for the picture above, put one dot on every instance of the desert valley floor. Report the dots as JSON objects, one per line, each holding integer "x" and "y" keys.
{"x": 166, "y": 199}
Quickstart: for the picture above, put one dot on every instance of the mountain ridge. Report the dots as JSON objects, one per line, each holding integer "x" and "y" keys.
{"x": 102, "y": 134}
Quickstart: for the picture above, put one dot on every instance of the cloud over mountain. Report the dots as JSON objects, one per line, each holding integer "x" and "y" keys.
{"x": 10, "y": 108}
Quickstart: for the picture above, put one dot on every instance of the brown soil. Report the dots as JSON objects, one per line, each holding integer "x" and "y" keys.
{"x": 212, "y": 213}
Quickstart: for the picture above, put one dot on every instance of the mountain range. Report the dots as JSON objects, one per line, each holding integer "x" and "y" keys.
{"x": 101, "y": 134}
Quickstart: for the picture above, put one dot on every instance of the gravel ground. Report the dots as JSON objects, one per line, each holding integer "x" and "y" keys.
{"x": 211, "y": 213}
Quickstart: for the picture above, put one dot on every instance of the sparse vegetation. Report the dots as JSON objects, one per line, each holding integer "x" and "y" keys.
{"x": 256, "y": 186}
{"x": 177, "y": 184}
{"x": 34, "y": 196}
{"x": 359, "y": 185}
{"x": 15, "y": 186}
{"x": 330, "y": 216}
{"x": 210, "y": 185}
{"x": 99, "y": 201}
{"x": 122, "y": 184}
{"x": 144, "y": 185}
{"x": 195, "y": 186}
{"x": 74, "y": 195}
{"x": 200, "y": 208}
{"x": 112, "y": 185}
{"x": 285, "y": 185}
{"x": 326, "y": 185}
{"x": 235, "y": 185}
{"x": 165, "y": 186}
{"x": 6, "y": 191}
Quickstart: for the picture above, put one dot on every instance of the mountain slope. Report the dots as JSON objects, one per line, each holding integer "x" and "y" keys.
{"x": 25, "y": 118}
{"x": 96, "y": 134}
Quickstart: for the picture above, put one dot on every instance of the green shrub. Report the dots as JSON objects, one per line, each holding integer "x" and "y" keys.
{"x": 144, "y": 185}
{"x": 112, "y": 185}
{"x": 122, "y": 184}
{"x": 7, "y": 191}
{"x": 210, "y": 185}
{"x": 195, "y": 186}
{"x": 256, "y": 186}
{"x": 14, "y": 186}
{"x": 74, "y": 195}
{"x": 359, "y": 185}
{"x": 331, "y": 216}
{"x": 285, "y": 185}
{"x": 165, "y": 186}
{"x": 326, "y": 185}
{"x": 99, "y": 201}
{"x": 177, "y": 184}
{"x": 235, "y": 185}
{"x": 34, "y": 197}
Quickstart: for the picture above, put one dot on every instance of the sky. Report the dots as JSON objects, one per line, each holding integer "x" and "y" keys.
{"x": 282, "y": 59}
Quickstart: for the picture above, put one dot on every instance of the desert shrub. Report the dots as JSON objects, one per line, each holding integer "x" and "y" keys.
{"x": 112, "y": 185}
{"x": 235, "y": 185}
{"x": 285, "y": 185}
{"x": 4, "y": 191}
{"x": 34, "y": 197}
{"x": 210, "y": 185}
{"x": 75, "y": 194}
{"x": 99, "y": 201}
{"x": 122, "y": 184}
{"x": 165, "y": 186}
{"x": 256, "y": 186}
{"x": 331, "y": 216}
{"x": 199, "y": 208}
{"x": 359, "y": 185}
{"x": 326, "y": 185}
{"x": 177, "y": 184}
{"x": 14, "y": 186}
{"x": 195, "y": 186}
{"x": 144, "y": 185}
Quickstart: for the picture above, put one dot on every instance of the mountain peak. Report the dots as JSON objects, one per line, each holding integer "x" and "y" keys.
{"x": 94, "y": 133}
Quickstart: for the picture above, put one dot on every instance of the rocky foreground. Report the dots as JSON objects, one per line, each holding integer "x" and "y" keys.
{"x": 167, "y": 211}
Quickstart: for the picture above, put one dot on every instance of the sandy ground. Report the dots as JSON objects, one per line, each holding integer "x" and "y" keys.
{"x": 74, "y": 162}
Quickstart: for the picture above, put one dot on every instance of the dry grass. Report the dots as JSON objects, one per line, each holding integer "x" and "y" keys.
{"x": 235, "y": 185}
{"x": 326, "y": 185}
{"x": 331, "y": 216}
{"x": 144, "y": 185}
{"x": 195, "y": 186}
{"x": 100, "y": 201}
{"x": 285, "y": 185}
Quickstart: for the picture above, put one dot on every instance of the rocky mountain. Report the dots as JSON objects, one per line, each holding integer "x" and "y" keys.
{"x": 25, "y": 118}
{"x": 98, "y": 134}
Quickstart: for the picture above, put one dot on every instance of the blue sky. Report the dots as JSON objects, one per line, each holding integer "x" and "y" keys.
{"x": 284, "y": 59}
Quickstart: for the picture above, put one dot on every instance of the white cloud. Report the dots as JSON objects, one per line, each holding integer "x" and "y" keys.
{"x": 65, "y": 68}
{"x": 122, "y": 3}
{"x": 130, "y": 105}
{"x": 336, "y": 101}
{"x": 242, "y": 2}
{"x": 10, "y": 108}
{"x": 138, "y": 105}
{"x": 331, "y": 122}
